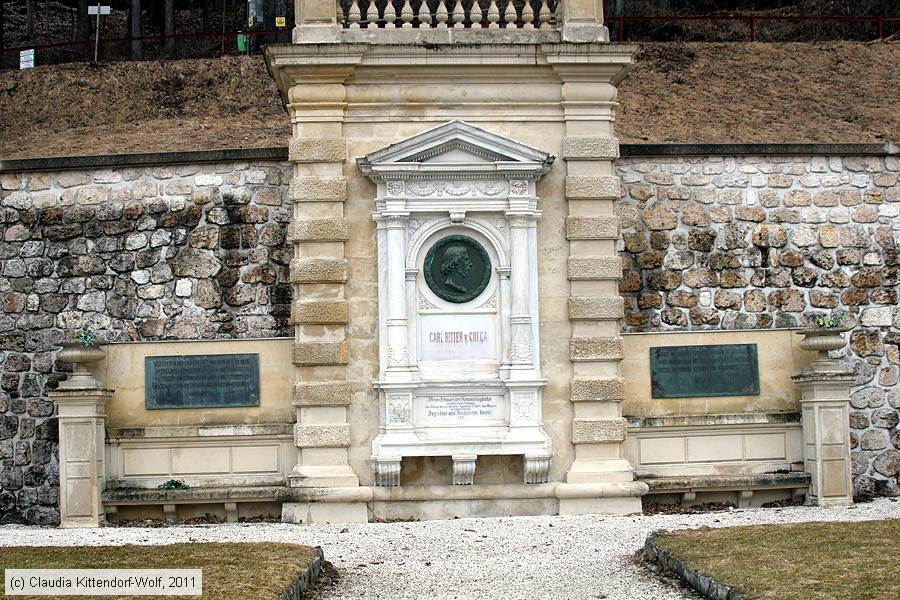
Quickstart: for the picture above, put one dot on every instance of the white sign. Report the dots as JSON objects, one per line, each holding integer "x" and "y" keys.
{"x": 469, "y": 410}
{"x": 26, "y": 59}
{"x": 98, "y": 10}
{"x": 458, "y": 337}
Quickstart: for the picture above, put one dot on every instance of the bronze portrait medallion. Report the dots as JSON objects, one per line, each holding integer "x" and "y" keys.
{"x": 457, "y": 268}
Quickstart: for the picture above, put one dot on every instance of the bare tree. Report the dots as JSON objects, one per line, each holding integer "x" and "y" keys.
{"x": 2, "y": 20}
{"x": 137, "y": 31}
{"x": 170, "y": 27}
{"x": 84, "y": 24}
{"x": 29, "y": 20}
{"x": 204, "y": 9}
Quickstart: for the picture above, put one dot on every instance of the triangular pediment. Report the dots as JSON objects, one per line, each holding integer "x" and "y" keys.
{"x": 456, "y": 144}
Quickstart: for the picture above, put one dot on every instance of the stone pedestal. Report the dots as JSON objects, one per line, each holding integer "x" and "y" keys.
{"x": 824, "y": 405}
{"x": 82, "y": 426}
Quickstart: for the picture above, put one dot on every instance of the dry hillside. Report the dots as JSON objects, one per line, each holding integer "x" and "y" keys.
{"x": 834, "y": 92}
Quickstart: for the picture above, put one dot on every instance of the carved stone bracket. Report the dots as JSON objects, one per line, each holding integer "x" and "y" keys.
{"x": 387, "y": 472}
{"x": 464, "y": 469}
{"x": 537, "y": 469}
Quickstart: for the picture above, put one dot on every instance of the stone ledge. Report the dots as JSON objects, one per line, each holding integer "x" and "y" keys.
{"x": 122, "y": 495}
{"x": 595, "y": 348}
{"x": 592, "y": 228}
{"x": 594, "y": 268}
{"x": 319, "y": 229}
{"x": 318, "y": 189}
{"x": 319, "y": 270}
{"x": 720, "y": 420}
{"x": 585, "y": 147}
{"x": 606, "y": 187}
{"x": 596, "y": 389}
{"x": 317, "y": 150}
{"x": 598, "y": 431}
{"x": 698, "y": 483}
{"x": 320, "y": 353}
{"x": 331, "y": 393}
{"x": 336, "y": 435}
{"x": 321, "y": 312}
{"x": 590, "y": 308}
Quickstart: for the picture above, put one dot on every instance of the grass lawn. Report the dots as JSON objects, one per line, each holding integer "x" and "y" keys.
{"x": 799, "y": 561}
{"x": 258, "y": 571}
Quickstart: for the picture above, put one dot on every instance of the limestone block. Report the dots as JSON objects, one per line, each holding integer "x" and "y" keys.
{"x": 598, "y": 431}
{"x": 330, "y": 393}
{"x": 319, "y": 229}
{"x": 305, "y": 150}
{"x": 318, "y": 189}
{"x": 588, "y": 389}
{"x": 592, "y": 228}
{"x": 594, "y": 267}
{"x": 322, "y": 436}
{"x": 605, "y": 187}
{"x": 591, "y": 308}
{"x": 320, "y": 353}
{"x": 585, "y": 147}
{"x": 326, "y": 312}
{"x": 319, "y": 270}
{"x": 595, "y": 348}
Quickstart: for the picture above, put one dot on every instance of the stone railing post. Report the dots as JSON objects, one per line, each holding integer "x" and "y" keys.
{"x": 582, "y": 21}
{"x": 82, "y": 435}
{"x": 825, "y": 408}
{"x": 316, "y": 21}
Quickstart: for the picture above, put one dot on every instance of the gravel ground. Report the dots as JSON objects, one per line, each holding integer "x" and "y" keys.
{"x": 522, "y": 557}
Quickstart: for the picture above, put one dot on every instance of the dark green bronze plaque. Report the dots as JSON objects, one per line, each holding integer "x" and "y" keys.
{"x": 457, "y": 268}
{"x": 201, "y": 381}
{"x": 700, "y": 371}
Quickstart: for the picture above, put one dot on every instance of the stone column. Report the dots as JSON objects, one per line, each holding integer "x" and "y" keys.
{"x": 594, "y": 269}
{"x": 82, "y": 434}
{"x": 320, "y": 312}
{"x": 825, "y": 416}
{"x": 316, "y": 21}
{"x": 582, "y": 21}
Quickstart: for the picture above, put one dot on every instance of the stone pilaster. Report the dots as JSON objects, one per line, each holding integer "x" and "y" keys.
{"x": 824, "y": 409}
{"x": 82, "y": 433}
{"x": 594, "y": 268}
{"x": 320, "y": 313}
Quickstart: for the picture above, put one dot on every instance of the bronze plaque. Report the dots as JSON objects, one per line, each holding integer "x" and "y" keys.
{"x": 457, "y": 268}
{"x": 201, "y": 381}
{"x": 700, "y": 371}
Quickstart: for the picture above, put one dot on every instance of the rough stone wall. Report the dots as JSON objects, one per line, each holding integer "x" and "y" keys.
{"x": 181, "y": 252}
{"x": 765, "y": 242}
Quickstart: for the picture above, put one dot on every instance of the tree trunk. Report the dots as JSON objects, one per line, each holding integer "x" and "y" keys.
{"x": 29, "y": 20}
{"x": 620, "y": 8}
{"x": 204, "y": 10}
{"x": 170, "y": 27}
{"x": 84, "y": 24}
{"x": 137, "y": 31}
{"x": 2, "y": 46}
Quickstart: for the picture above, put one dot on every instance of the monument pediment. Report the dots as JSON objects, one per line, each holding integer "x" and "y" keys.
{"x": 456, "y": 149}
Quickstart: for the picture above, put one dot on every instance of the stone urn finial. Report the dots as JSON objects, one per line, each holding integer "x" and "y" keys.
{"x": 81, "y": 351}
{"x": 827, "y": 335}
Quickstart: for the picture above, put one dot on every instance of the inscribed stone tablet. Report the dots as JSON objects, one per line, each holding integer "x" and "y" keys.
{"x": 202, "y": 381}
{"x": 700, "y": 371}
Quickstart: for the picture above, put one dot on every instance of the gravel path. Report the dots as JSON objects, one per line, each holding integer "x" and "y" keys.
{"x": 522, "y": 557}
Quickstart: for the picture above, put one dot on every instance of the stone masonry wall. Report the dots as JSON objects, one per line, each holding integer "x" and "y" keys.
{"x": 764, "y": 242}
{"x": 180, "y": 252}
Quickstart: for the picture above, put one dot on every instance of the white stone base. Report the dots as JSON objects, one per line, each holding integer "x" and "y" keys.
{"x": 600, "y": 506}
{"x": 324, "y": 512}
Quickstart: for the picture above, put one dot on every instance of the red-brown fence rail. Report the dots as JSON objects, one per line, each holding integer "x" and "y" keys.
{"x": 211, "y": 44}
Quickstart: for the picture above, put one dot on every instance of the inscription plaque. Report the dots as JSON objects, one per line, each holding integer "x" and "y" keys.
{"x": 700, "y": 371}
{"x": 201, "y": 381}
{"x": 458, "y": 337}
{"x": 462, "y": 409}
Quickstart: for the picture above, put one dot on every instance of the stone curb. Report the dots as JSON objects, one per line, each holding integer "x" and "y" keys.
{"x": 669, "y": 563}
{"x": 306, "y": 578}
{"x": 280, "y": 153}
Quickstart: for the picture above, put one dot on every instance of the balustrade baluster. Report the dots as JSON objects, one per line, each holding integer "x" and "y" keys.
{"x": 527, "y": 16}
{"x": 475, "y": 14}
{"x": 390, "y": 15}
{"x": 354, "y": 14}
{"x": 424, "y": 15}
{"x": 406, "y": 15}
{"x": 459, "y": 15}
{"x": 441, "y": 15}
{"x": 509, "y": 15}
{"x": 340, "y": 14}
{"x": 372, "y": 16}
{"x": 544, "y": 14}
{"x": 493, "y": 15}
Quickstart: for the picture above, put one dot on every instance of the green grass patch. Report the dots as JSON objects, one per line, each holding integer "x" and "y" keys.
{"x": 808, "y": 561}
{"x": 258, "y": 571}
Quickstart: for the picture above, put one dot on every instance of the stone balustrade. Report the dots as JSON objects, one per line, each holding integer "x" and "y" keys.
{"x": 476, "y": 14}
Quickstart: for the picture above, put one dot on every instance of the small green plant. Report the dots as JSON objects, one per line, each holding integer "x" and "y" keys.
{"x": 173, "y": 484}
{"x": 835, "y": 321}
{"x": 86, "y": 337}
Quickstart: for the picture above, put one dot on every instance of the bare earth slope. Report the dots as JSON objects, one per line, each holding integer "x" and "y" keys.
{"x": 704, "y": 93}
